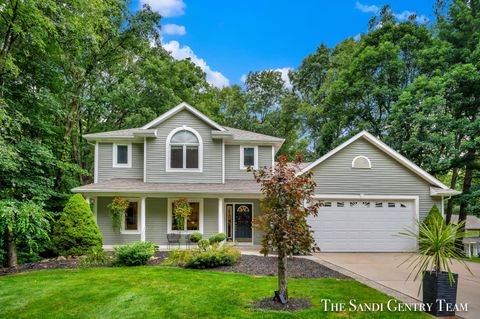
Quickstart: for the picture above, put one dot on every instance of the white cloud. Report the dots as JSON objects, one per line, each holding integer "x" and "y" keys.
{"x": 173, "y": 29}
{"x": 403, "y": 16}
{"x": 215, "y": 78}
{"x": 357, "y": 37}
{"x": 167, "y": 8}
{"x": 366, "y": 8}
{"x": 406, "y": 14}
{"x": 284, "y": 75}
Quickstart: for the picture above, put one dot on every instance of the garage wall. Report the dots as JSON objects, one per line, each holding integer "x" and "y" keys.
{"x": 386, "y": 177}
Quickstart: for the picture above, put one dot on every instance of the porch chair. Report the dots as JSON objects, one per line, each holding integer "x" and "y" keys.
{"x": 173, "y": 239}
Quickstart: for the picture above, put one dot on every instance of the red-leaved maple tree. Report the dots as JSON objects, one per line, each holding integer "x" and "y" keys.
{"x": 286, "y": 204}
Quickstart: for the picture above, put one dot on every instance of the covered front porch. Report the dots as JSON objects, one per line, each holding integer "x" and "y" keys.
{"x": 150, "y": 218}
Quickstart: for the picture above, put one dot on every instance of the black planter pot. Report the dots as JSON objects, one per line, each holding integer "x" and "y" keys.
{"x": 438, "y": 292}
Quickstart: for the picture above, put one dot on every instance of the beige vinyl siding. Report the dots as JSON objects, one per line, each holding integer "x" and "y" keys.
{"x": 104, "y": 221}
{"x": 156, "y": 148}
{"x": 257, "y": 234}
{"x": 232, "y": 161}
{"x": 106, "y": 170}
{"x": 156, "y": 221}
{"x": 386, "y": 177}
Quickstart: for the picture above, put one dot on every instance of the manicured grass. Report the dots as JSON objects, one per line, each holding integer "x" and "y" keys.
{"x": 163, "y": 292}
{"x": 473, "y": 259}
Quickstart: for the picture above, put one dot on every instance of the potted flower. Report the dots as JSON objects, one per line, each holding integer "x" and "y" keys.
{"x": 118, "y": 208}
{"x": 181, "y": 211}
{"x": 438, "y": 247}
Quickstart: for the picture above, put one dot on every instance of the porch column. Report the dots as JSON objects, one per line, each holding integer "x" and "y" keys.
{"x": 87, "y": 199}
{"x": 95, "y": 207}
{"x": 221, "y": 221}
{"x": 142, "y": 218}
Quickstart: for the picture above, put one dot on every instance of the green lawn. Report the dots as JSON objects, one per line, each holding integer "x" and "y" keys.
{"x": 163, "y": 292}
{"x": 473, "y": 259}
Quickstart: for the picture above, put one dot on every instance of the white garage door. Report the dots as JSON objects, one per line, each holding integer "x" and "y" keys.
{"x": 363, "y": 225}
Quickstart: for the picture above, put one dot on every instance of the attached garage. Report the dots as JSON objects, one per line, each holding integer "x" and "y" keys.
{"x": 364, "y": 225}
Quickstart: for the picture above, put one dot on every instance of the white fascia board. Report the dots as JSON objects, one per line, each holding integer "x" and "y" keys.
{"x": 177, "y": 109}
{"x": 384, "y": 147}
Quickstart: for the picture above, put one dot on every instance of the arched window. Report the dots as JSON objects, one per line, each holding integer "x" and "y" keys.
{"x": 184, "y": 149}
{"x": 361, "y": 162}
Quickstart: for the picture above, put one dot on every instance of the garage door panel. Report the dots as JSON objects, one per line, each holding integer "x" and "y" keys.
{"x": 353, "y": 225}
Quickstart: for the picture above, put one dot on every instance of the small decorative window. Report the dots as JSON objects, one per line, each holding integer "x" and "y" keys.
{"x": 366, "y": 204}
{"x": 391, "y": 205}
{"x": 353, "y": 204}
{"x": 122, "y": 155}
{"x": 361, "y": 162}
{"x": 403, "y": 205}
{"x": 340, "y": 204}
{"x": 328, "y": 204}
{"x": 248, "y": 157}
{"x": 379, "y": 204}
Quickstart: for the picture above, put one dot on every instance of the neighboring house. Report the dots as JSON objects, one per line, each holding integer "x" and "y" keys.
{"x": 471, "y": 243}
{"x": 370, "y": 193}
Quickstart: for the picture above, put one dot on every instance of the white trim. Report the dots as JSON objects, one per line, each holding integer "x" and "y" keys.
{"x": 255, "y": 156}
{"x": 364, "y": 157}
{"x": 143, "y": 218}
{"x": 144, "y": 159}
{"x": 87, "y": 199}
{"x": 273, "y": 156}
{"x": 154, "y": 193}
{"x": 223, "y": 162}
{"x": 95, "y": 172}
{"x": 169, "y": 216}
{"x": 384, "y": 147}
{"x": 177, "y": 109}
{"x": 233, "y": 230}
{"x": 129, "y": 155}
{"x": 200, "y": 152}
{"x": 442, "y": 207}
{"x": 124, "y": 231}
{"x": 221, "y": 215}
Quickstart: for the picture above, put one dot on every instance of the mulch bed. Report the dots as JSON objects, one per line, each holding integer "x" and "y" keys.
{"x": 247, "y": 264}
{"x": 293, "y": 304}
{"x": 267, "y": 266}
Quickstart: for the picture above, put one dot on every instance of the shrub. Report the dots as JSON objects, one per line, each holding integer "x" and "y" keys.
{"x": 134, "y": 254}
{"x": 76, "y": 232}
{"x": 96, "y": 256}
{"x": 433, "y": 214}
{"x": 214, "y": 256}
{"x": 217, "y": 238}
{"x": 178, "y": 257}
{"x": 203, "y": 244}
{"x": 196, "y": 237}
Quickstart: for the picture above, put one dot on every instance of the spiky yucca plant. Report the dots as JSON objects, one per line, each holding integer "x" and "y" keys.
{"x": 437, "y": 248}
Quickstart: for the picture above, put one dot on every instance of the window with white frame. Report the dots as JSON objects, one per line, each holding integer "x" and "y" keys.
{"x": 184, "y": 150}
{"x": 131, "y": 222}
{"x": 190, "y": 224}
{"x": 248, "y": 157}
{"x": 122, "y": 155}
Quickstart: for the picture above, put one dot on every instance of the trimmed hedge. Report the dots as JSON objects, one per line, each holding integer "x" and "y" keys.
{"x": 76, "y": 232}
{"x": 216, "y": 238}
{"x": 134, "y": 254}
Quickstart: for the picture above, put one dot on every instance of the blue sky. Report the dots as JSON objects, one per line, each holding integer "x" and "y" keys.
{"x": 227, "y": 39}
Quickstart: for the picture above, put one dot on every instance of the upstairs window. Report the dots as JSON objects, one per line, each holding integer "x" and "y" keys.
{"x": 361, "y": 162}
{"x": 122, "y": 155}
{"x": 184, "y": 150}
{"x": 248, "y": 157}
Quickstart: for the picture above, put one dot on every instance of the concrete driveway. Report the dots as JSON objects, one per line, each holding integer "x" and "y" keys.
{"x": 383, "y": 270}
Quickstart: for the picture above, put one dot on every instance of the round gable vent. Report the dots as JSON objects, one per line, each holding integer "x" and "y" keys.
{"x": 361, "y": 162}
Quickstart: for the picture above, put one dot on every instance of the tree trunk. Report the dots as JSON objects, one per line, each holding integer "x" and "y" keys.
{"x": 11, "y": 250}
{"x": 453, "y": 184}
{"x": 282, "y": 273}
{"x": 467, "y": 183}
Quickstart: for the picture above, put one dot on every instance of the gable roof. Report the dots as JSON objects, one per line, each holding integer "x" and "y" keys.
{"x": 385, "y": 148}
{"x": 472, "y": 222}
{"x": 180, "y": 107}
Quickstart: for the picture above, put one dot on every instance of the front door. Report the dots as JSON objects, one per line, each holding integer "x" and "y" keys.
{"x": 243, "y": 213}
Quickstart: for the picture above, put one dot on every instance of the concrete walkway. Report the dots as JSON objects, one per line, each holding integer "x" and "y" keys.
{"x": 384, "y": 272}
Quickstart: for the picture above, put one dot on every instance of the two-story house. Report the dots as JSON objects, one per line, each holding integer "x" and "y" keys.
{"x": 369, "y": 192}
